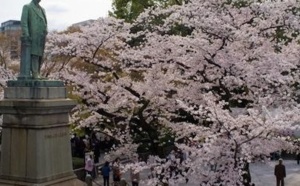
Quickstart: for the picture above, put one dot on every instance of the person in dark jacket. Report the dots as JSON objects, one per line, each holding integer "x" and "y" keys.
{"x": 105, "y": 170}
{"x": 298, "y": 157}
{"x": 280, "y": 174}
{"x": 135, "y": 177}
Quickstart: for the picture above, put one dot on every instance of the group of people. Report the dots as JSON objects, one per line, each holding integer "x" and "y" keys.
{"x": 118, "y": 180}
{"x": 94, "y": 143}
{"x": 279, "y": 172}
{"x": 174, "y": 156}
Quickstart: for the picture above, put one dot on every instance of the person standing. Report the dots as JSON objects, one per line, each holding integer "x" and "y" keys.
{"x": 105, "y": 170}
{"x": 107, "y": 144}
{"x": 89, "y": 165}
{"x": 116, "y": 172}
{"x": 34, "y": 31}
{"x": 97, "y": 151}
{"x": 280, "y": 173}
{"x": 135, "y": 177}
{"x": 298, "y": 156}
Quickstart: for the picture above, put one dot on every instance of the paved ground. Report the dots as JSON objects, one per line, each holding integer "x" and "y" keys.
{"x": 262, "y": 174}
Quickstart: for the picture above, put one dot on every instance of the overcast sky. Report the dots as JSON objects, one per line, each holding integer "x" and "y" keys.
{"x": 60, "y": 13}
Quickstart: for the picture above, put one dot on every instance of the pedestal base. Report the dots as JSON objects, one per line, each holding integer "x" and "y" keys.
{"x": 67, "y": 181}
{"x": 36, "y": 148}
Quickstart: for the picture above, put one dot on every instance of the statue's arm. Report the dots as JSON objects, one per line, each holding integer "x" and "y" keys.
{"x": 25, "y": 22}
{"x": 44, "y": 12}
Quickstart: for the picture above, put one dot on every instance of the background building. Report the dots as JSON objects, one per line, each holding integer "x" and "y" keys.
{"x": 10, "y": 26}
{"x": 83, "y": 23}
{"x": 11, "y": 29}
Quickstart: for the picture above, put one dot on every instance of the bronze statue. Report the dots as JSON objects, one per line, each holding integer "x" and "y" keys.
{"x": 34, "y": 31}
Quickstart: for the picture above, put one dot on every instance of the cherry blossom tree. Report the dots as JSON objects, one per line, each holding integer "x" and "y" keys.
{"x": 8, "y": 66}
{"x": 6, "y": 63}
{"x": 220, "y": 75}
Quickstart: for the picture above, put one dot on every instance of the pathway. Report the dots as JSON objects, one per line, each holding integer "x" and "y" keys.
{"x": 262, "y": 174}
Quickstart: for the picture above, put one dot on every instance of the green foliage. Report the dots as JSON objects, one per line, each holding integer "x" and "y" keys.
{"x": 136, "y": 75}
{"x": 181, "y": 30}
{"x": 77, "y": 162}
{"x": 150, "y": 25}
{"x": 153, "y": 140}
{"x": 281, "y": 36}
{"x": 129, "y": 10}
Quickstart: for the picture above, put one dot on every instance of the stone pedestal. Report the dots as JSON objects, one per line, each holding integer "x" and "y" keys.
{"x": 36, "y": 147}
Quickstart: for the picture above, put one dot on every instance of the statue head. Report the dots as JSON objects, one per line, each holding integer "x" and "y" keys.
{"x": 36, "y": 1}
